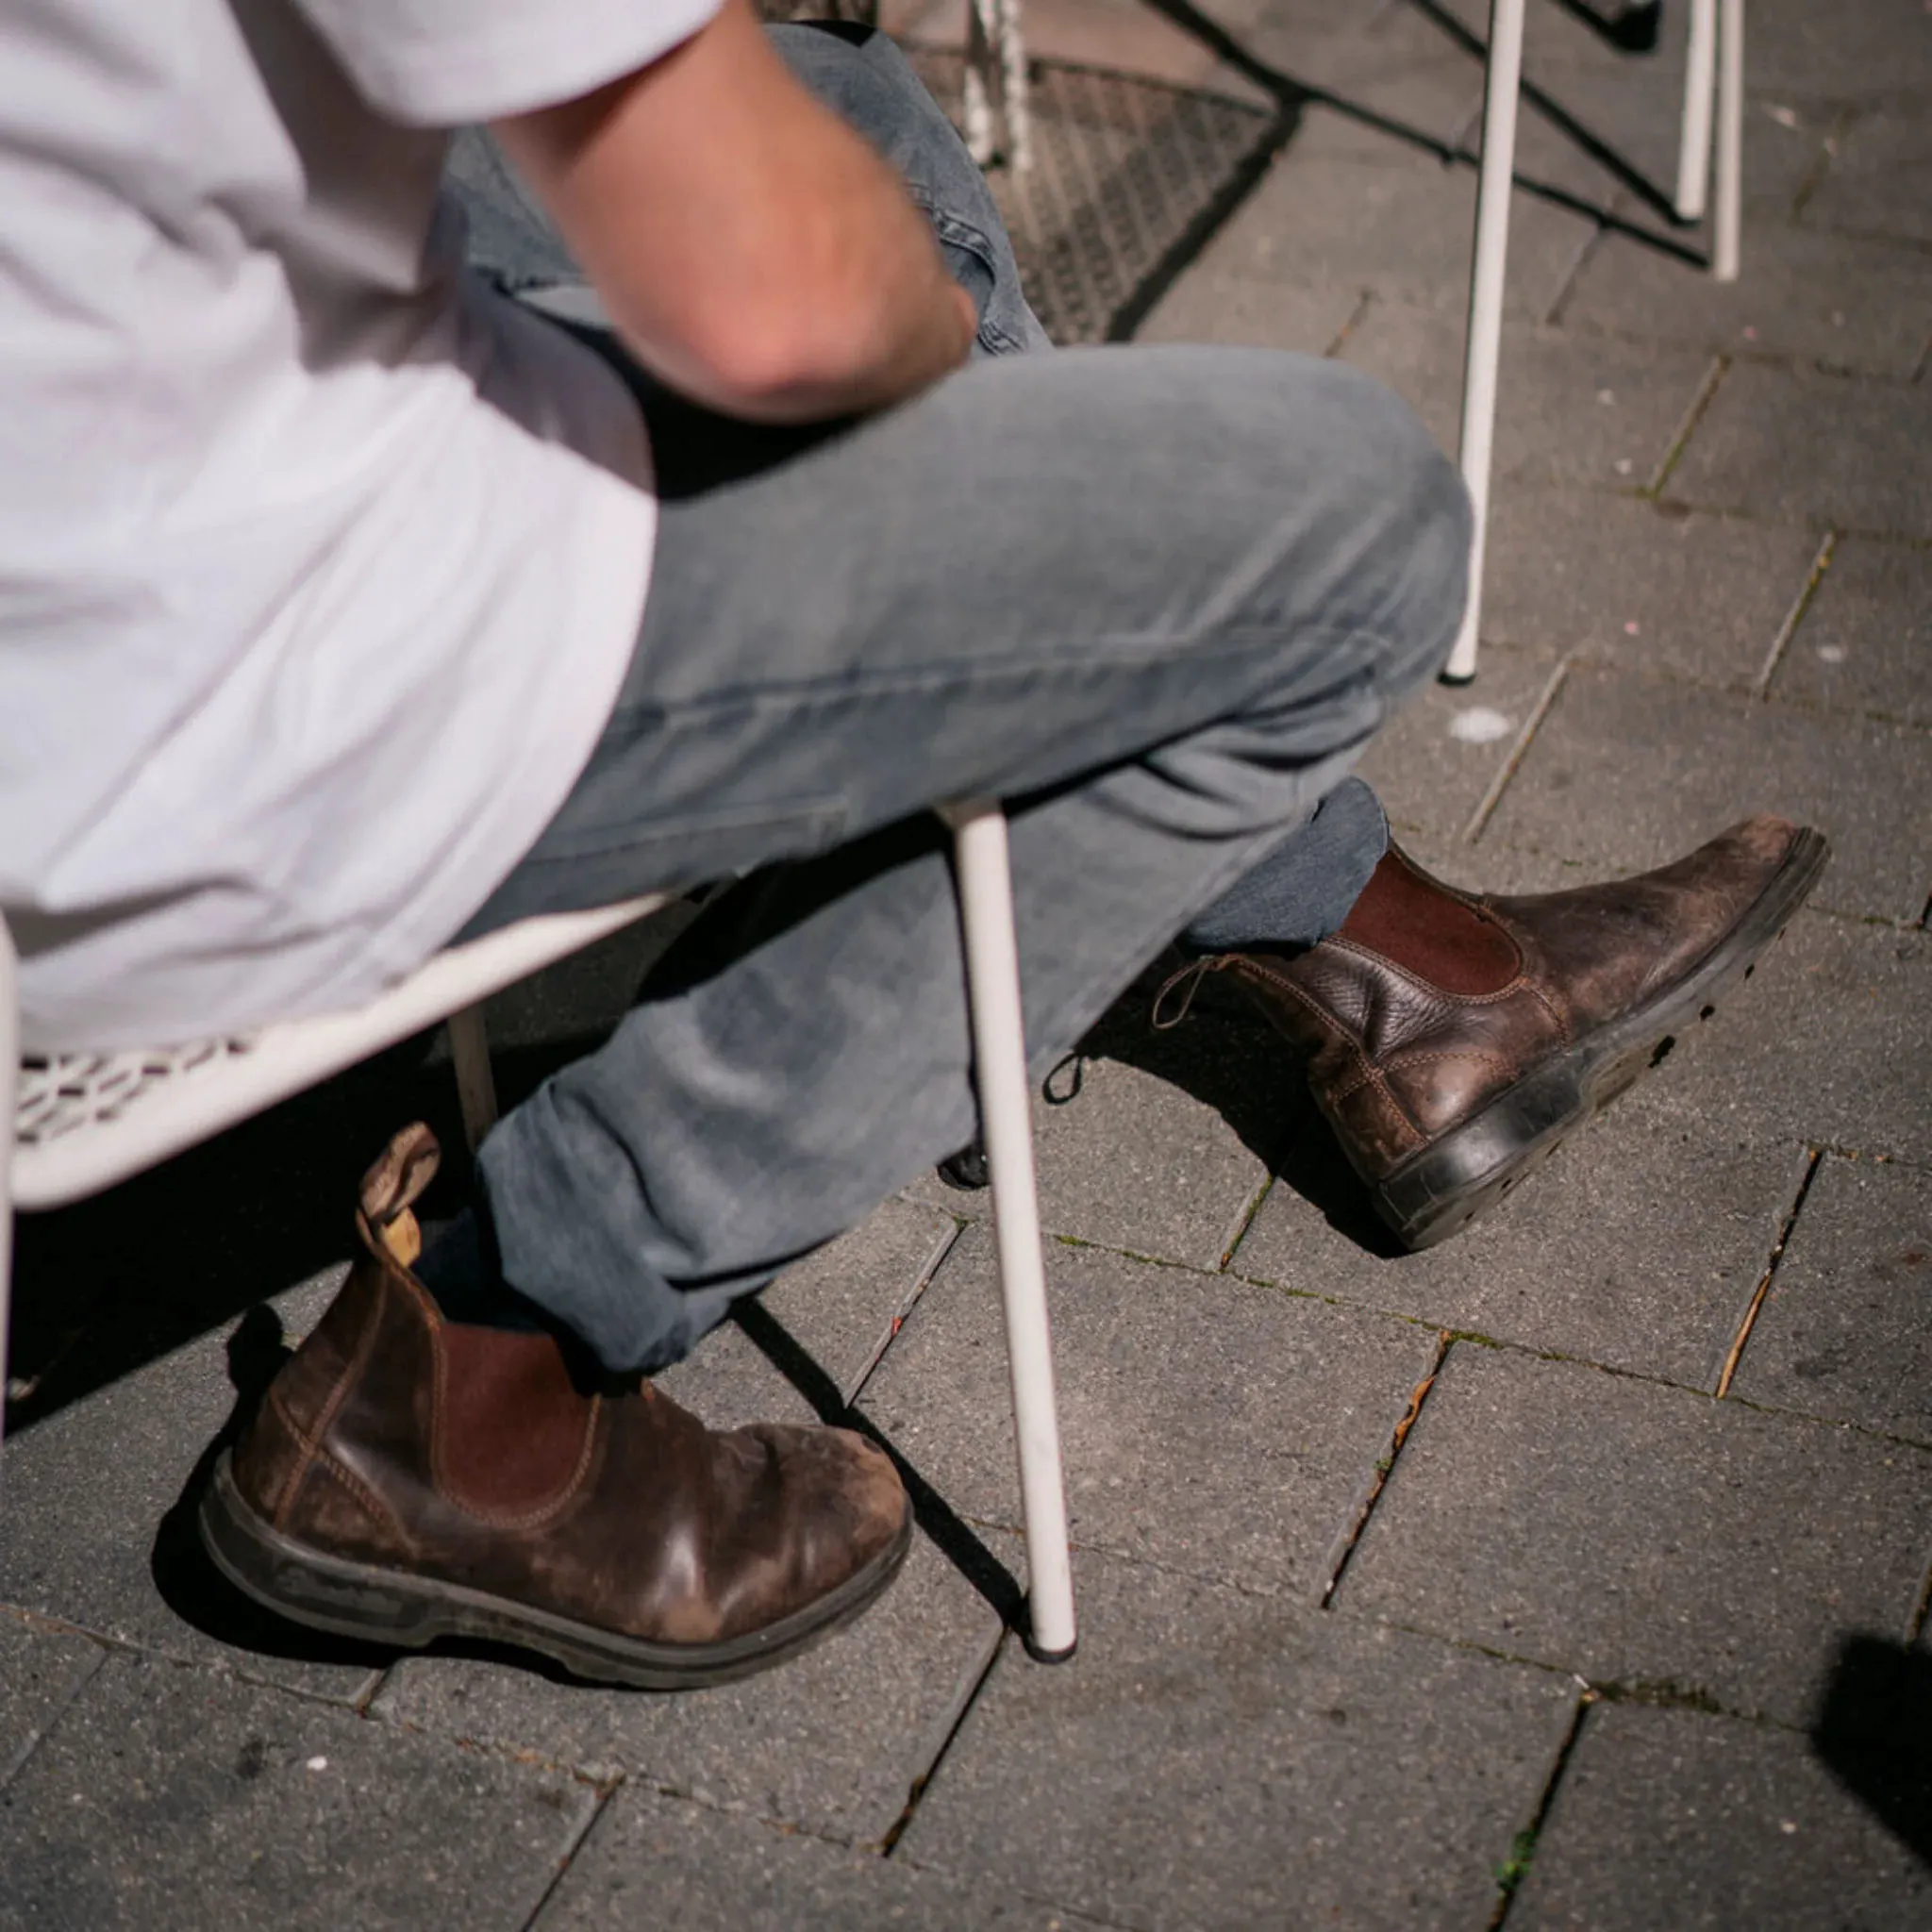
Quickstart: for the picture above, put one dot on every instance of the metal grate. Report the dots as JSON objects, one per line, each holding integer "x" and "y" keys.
{"x": 61, "y": 1095}
{"x": 1130, "y": 176}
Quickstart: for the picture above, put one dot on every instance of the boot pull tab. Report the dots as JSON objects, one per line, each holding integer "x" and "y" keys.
{"x": 405, "y": 1168}
{"x": 1189, "y": 979}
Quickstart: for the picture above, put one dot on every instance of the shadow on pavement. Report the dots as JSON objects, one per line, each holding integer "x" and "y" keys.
{"x": 1875, "y": 1734}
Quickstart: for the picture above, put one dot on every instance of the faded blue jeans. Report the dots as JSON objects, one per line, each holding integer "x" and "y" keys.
{"x": 1157, "y": 599}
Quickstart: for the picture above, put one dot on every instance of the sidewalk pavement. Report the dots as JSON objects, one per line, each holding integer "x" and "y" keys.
{"x": 1575, "y": 1573}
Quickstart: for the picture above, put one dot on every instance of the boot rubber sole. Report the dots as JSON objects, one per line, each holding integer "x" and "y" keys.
{"x": 379, "y": 1605}
{"x": 1438, "y": 1191}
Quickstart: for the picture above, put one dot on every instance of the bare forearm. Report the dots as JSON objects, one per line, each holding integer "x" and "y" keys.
{"x": 753, "y": 251}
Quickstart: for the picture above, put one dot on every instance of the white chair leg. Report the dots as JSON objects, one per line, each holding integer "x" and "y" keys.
{"x": 999, "y": 1052}
{"x": 469, "y": 1052}
{"x": 1485, "y": 347}
{"x": 1014, "y": 87}
{"x": 10, "y": 1077}
{"x": 982, "y": 31}
{"x": 1693, "y": 137}
{"x": 1727, "y": 237}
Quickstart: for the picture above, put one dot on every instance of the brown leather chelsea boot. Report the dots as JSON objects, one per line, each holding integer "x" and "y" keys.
{"x": 1455, "y": 1040}
{"x": 409, "y": 1477}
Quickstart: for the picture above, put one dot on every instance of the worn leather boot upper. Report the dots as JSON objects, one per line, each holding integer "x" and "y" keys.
{"x": 397, "y": 1438}
{"x": 1430, "y": 1002}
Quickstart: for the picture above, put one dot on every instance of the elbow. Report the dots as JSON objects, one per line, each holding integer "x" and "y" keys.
{"x": 779, "y": 362}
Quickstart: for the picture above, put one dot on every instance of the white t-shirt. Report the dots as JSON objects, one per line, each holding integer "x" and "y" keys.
{"x": 320, "y": 564}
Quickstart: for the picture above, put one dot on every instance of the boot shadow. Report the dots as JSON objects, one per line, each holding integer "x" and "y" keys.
{"x": 1224, "y": 1054}
{"x": 185, "y": 1577}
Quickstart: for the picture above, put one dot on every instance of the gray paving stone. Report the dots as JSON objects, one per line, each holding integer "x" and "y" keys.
{"x": 1207, "y": 307}
{"x": 1814, "y": 450}
{"x": 1628, "y": 771}
{"x": 1864, "y": 306}
{"x": 40, "y": 1670}
{"x": 96, "y": 1532}
{"x": 1635, "y": 109}
{"x": 841, "y": 1302}
{"x": 1551, "y": 427}
{"x": 1583, "y": 570}
{"x": 1875, "y": 184}
{"x": 1827, "y": 1043}
{"x": 1843, "y": 1330}
{"x": 1642, "y": 1534}
{"x": 1404, "y": 232}
{"x": 1639, "y": 1245}
{"x": 831, "y": 1742}
{"x": 1673, "y": 1818}
{"x": 1432, "y": 764}
{"x": 167, "y": 1796}
{"x": 1207, "y": 1425}
{"x": 1866, "y": 640}
{"x": 1209, "y": 1757}
{"x": 1855, "y": 50}
{"x": 1129, "y": 1158}
{"x": 650, "y": 1860}
{"x": 1397, "y": 114}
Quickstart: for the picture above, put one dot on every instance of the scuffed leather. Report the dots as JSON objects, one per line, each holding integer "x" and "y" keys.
{"x": 620, "y": 1510}
{"x": 1395, "y": 1062}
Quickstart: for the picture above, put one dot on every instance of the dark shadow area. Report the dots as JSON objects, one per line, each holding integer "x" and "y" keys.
{"x": 956, "y": 1540}
{"x": 1297, "y": 95}
{"x": 1631, "y": 28}
{"x": 112, "y": 1282}
{"x": 1875, "y": 1734}
{"x": 1228, "y": 1058}
{"x": 186, "y": 1579}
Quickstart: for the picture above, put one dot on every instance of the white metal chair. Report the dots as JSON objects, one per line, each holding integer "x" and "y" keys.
{"x": 995, "y": 97}
{"x": 82, "y": 1122}
{"x": 1711, "y": 47}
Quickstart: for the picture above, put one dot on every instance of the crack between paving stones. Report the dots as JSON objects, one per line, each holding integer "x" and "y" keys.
{"x": 1814, "y": 1156}
{"x": 606, "y": 1791}
{"x": 1238, "y": 1229}
{"x": 1515, "y": 1868}
{"x": 1700, "y": 403}
{"x": 940, "y": 1735}
{"x": 1384, "y": 1467}
{"x": 1829, "y": 145}
{"x": 934, "y": 1261}
{"x": 1566, "y": 286}
{"x": 943, "y": 1525}
{"x": 1357, "y": 315}
{"x": 1486, "y": 809}
{"x": 214, "y": 1666}
{"x": 1915, "y": 1624}
{"x": 83, "y": 1674}
{"x": 1652, "y": 1694}
{"x": 1795, "y": 615}
{"x": 1676, "y": 677}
